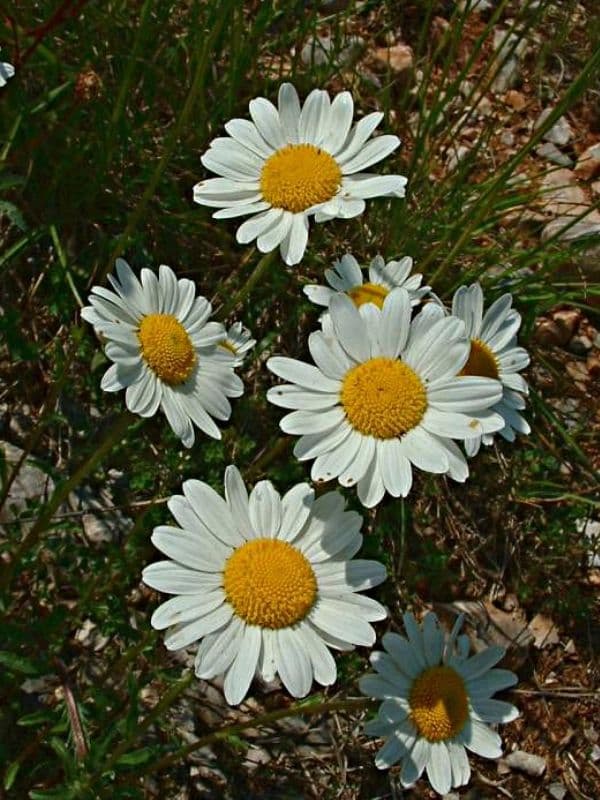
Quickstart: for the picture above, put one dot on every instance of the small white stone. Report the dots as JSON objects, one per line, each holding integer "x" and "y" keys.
{"x": 560, "y": 133}
{"x": 528, "y": 763}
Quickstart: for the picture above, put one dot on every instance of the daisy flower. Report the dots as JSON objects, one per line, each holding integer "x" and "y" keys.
{"x": 6, "y": 72}
{"x": 239, "y": 342}
{"x": 384, "y": 395}
{"x": 346, "y": 276}
{"x": 165, "y": 351}
{"x": 291, "y": 163}
{"x": 437, "y": 702}
{"x": 267, "y": 583}
{"x": 494, "y": 354}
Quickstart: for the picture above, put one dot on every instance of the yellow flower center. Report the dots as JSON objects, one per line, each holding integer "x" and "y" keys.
{"x": 368, "y": 293}
{"x": 299, "y": 176}
{"x": 383, "y": 398}
{"x": 439, "y": 706}
{"x": 269, "y": 583}
{"x": 481, "y": 361}
{"x": 167, "y": 348}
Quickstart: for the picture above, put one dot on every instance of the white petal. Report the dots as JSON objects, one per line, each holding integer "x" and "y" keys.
{"x": 395, "y": 468}
{"x": 371, "y": 153}
{"x": 495, "y": 711}
{"x": 367, "y": 186}
{"x": 314, "y": 118}
{"x": 293, "y": 663}
{"x": 303, "y": 374}
{"x": 184, "y": 608}
{"x": 333, "y": 618}
{"x": 276, "y": 234}
{"x": 395, "y": 323}
{"x": 185, "y": 634}
{"x": 340, "y": 121}
{"x": 245, "y": 132}
{"x": 236, "y": 496}
{"x": 258, "y": 225}
{"x": 290, "y": 396}
{"x": 289, "y": 111}
{"x": 240, "y": 674}
{"x": 350, "y": 327}
{"x": 300, "y": 422}
{"x": 423, "y": 450}
{"x": 217, "y": 650}
{"x": 171, "y": 578}
{"x": 213, "y": 511}
{"x": 358, "y": 136}
{"x": 409, "y": 660}
{"x": 198, "y": 552}
{"x": 296, "y": 505}
{"x": 265, "y": 510}
{"x": 294, "y": 244}
{"x": 323, "y": 663}
{"x": 265, "y": 117}
{"x": 480, "y": 739}
{"x": 326, "y": 359}
{"x": 360, "y": 463}
{"x": 439, "y": 770}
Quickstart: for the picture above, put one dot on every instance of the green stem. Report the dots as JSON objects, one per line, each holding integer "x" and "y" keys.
{"x": 255, "y": 276}
{"x": 196, "y": 89}
{"x": 305, "y": 708}
{"x": 164, "y": 704}
{"x": 60, "y": 494}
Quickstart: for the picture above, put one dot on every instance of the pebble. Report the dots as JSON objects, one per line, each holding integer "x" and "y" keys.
{"x": 568, "y": 320}
{"x": 560, "y": 133}
{"x": 525, "y": 762}
{"x": 507, "y": 138}
{"x": 515, "y": 100}
{"x": 551, "y": 153}
{"x": 319, "y": 51}
{"x": 399, "y": 57}
{"x": 588, "y": 163}
{"x": 549, "y": 334}
{"x": 509, "y": 72}
{"x": 580, "y": 345}
{"x": 455, "y": 157}
{"x": 557, "y": 790}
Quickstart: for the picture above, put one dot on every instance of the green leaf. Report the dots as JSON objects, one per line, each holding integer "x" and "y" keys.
{"x": 37, "y": 718}
{"x": 14, "y": 215}
{"x": 11, "y": 774}
{"x": 137, "y": 757}
{"x": 18, "y": 663}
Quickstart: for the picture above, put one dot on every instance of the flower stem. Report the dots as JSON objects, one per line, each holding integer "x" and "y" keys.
{"x": 309, "y": 707}
{"x": 255, "y": 276}
{"x": 62, "y": 491}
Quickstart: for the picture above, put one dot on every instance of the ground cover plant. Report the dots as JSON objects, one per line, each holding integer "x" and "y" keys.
{"x": 385, "y": 336}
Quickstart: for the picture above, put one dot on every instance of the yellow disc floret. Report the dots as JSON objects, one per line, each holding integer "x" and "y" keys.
{"x": 167, "y": 348}
{"x": 269, "y": 583}
{"x": 439, "y": 706}
{"x": 481, "y": 361}
{"x": 299, "y": 176}
{"x": 383, "y": 398}
{"x": 368, "y": 293}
